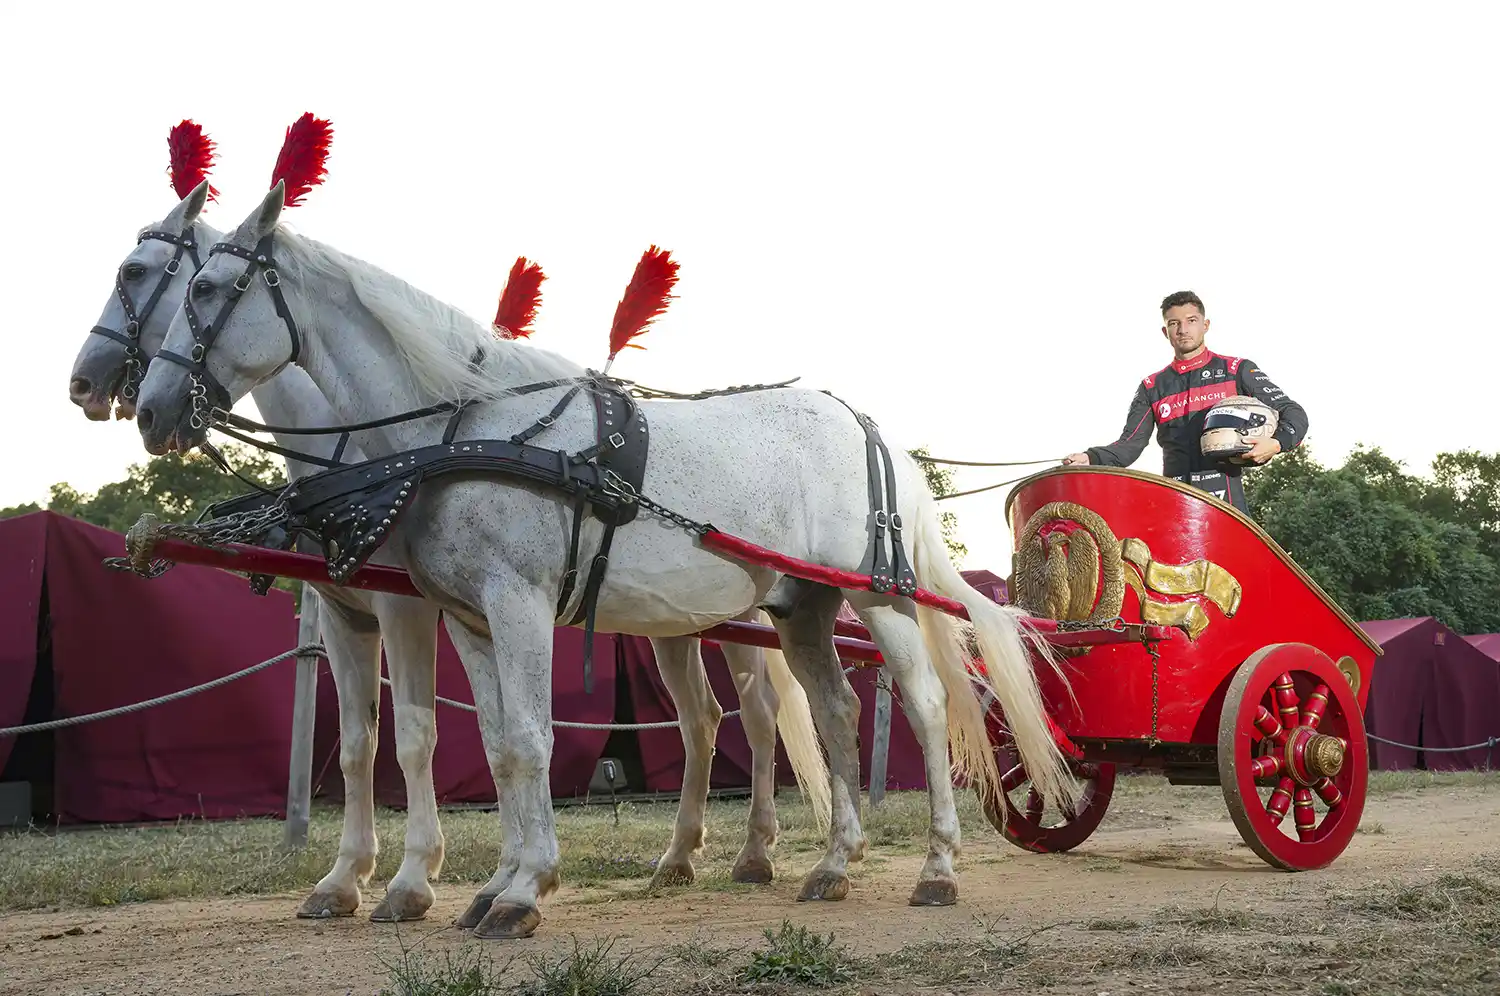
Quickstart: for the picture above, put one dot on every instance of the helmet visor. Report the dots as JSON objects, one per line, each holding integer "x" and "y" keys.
{"x": 1234, "y": 418}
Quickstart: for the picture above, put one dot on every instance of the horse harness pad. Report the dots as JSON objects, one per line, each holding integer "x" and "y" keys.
{"x": 352, "y": 509}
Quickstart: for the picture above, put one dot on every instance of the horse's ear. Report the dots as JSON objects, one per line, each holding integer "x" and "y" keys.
{"x": 269, "y": 212}
{"x": 181, "y": 217}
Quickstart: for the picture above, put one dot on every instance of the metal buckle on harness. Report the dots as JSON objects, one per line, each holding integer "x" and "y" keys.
{"x": 881, "y": 518}
{"x": 546, "y": 421}
{"x": 616, "y": 440}
{"x": 273, "y": 279}
{"x": 173, "y": 265}
{"x": 242, "y": 287}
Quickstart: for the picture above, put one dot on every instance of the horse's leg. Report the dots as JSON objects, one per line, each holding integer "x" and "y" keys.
{"x": 924, "y": 700}
{"x": 521, "y": 623}
{"x": 408, "y": 628}
{"x": 477, "y": 656}
{"x": 352, "y": 640}
{"x": 806, "y": 634}
{"x": 758, "y": 705}
{"x": 680, "y": 661}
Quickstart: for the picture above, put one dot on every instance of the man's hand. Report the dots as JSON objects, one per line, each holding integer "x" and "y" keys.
{"x": 1262, "y": 450}
{"x": 1076, "y": 460}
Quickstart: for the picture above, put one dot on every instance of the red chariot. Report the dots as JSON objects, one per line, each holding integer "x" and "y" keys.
{"x": 1259, "y": 686}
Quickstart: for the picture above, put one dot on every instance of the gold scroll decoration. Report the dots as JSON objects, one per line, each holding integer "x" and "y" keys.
{"x": 1201, "y": 577}
{"x": 1072, "y": 576}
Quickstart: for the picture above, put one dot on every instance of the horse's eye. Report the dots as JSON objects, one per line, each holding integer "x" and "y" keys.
{"x": 133, "y": 271}
{"x": 203, "y": 288}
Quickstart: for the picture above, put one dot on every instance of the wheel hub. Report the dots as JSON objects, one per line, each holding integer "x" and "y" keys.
{"x": 1311, "y": 756}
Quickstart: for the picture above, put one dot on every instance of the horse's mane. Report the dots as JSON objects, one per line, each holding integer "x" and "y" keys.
{"x": 436, "y": 340}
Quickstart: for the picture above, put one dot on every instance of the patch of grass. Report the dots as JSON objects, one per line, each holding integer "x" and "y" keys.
{"x": 1112, "y": 925}
{"x": 697, "y": 953}
{"x": 796, "y": 956}
{"x": 589, "y": 972}
{"x": 468, "y": 971}
{"x": 1372, "y": 827}
{"x": 1173, "y": 954}
{"x": 1450, "y": 896}
{"x": 1206, "y": 919}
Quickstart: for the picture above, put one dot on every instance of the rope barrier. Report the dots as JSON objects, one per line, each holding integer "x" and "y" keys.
{"x": 666, "y": 725}
{"x": 1491, "y": 743}
{"x": 306, "y": 650}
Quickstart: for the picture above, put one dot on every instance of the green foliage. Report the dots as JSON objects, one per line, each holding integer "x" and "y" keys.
{"x": 798, "y": 957}
{"x": 940, "y": 480}
{"x": 465, "y": 972}
{"x": 1385, "y": 543}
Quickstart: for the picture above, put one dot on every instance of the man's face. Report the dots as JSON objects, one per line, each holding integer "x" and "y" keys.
{"x": 1185, "y": 328}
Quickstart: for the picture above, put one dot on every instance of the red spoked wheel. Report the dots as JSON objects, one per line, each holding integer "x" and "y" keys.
{"x": 1292, "y": 740}
{"x": 1022, "y": 818}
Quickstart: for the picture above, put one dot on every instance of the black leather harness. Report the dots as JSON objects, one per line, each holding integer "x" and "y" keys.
{"x": 130, "y": 335}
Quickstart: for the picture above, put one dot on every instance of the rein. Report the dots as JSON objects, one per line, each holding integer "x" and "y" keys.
{"x": 130, "y": 336}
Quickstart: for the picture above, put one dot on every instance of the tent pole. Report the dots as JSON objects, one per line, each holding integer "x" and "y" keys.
{"x": 304, "y": 710}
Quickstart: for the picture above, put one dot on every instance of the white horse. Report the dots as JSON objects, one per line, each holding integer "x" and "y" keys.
{"x": 783, "y": 468}
{"x": 358, "y": 620}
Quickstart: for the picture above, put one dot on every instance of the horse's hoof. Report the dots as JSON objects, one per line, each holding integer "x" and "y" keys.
{"x": 477, "y": 910}
{"x": 506, "y": 921}
{"x": 675, "y": 873}
{"x": 399, "y": 906}
{"x": 322, "y": 905}
{"x": 935, "y": 892}
{"x": 824, "y": 885}
{"x": 754, "y": 871}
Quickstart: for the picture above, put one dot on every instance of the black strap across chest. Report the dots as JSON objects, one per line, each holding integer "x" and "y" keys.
{"x": 130, "y": 335}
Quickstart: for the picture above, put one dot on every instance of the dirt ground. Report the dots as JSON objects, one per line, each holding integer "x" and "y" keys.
{"x": 1166, "y": 875}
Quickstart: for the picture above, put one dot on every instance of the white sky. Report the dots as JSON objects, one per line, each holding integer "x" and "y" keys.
{"x": 960, "y": 218}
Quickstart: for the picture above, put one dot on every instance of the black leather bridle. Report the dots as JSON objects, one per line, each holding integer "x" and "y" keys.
{"x": 196, "y": 363}
{"x": 130, "y": 335}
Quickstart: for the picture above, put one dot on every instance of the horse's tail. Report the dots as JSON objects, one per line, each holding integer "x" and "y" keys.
{"x": 1006, "y": 671}
{"x": 800, "y": 737}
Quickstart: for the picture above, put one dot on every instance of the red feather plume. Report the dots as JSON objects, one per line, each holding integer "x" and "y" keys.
{"x": 519, "y": 300}
{"x": 191, "y": 157}
{"x": 304, "y": 154}
{"x": 645, "y": 298}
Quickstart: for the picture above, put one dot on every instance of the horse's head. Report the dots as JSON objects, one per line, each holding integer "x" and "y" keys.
{"x": 148, "y": 284}
{"x": 227, "y": 336}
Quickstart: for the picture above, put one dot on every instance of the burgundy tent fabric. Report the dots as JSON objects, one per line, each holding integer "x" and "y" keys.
{"x": 118, "y": 639}
{"x": 460, "y": 770}
{"x": 23, "y": 553}
{"x": 1488, "y": 643}
{"x": 661, "y": 750}
{"x": 1431, "y": 689}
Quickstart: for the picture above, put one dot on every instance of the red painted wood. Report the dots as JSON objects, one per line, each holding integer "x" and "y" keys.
{"x": 1112, "y": 683}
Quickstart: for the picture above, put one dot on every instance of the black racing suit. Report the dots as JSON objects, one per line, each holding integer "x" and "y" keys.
{"x": 1177, "y": 399}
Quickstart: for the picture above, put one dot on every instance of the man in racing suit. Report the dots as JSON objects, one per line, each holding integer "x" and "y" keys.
{"x": 1177, "y": 399}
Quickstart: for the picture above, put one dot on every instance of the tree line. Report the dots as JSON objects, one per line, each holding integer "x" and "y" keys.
{"x": 1382, "y": 541}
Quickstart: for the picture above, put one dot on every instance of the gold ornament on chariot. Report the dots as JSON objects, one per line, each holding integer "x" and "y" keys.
{"x": 1079, "y": 574}
{"x": 1350, "y": 671}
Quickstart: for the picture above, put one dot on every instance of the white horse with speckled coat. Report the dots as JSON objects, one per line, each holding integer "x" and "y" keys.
{"x": 355, "y": 623}
{"x": 782, "y": 468}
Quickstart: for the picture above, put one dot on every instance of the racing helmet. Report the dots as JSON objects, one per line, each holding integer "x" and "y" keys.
{"x": 1233, "y": 425}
